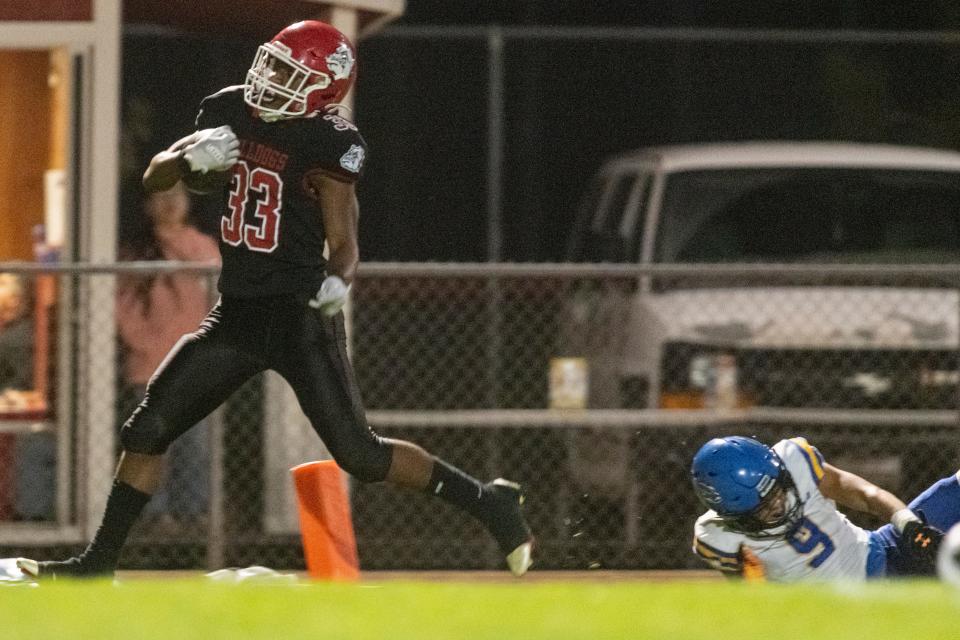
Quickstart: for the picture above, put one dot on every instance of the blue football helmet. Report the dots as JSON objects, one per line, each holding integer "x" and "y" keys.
{"x": 748, "y": 486}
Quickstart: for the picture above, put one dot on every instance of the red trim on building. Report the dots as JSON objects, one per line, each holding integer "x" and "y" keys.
{"x": 46, "y": 10}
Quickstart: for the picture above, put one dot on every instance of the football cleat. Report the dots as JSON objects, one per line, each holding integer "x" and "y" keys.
{"x": 29, "y": 568}
{"x": 508, "y": 526}
{"x": 521, "y": 558}
{"x": 53, "y": 569}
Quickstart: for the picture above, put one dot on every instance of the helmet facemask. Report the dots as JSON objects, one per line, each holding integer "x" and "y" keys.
{"x": 779, "y": 512}
{"x": 278, "y": 86}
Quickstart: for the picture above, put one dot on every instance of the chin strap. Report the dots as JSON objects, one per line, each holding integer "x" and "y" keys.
{"x": 330, "y": 108}
{"x": 269, "y": 117}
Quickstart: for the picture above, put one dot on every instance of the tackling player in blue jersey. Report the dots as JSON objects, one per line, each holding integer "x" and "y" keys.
{"x": 773, "y": 512}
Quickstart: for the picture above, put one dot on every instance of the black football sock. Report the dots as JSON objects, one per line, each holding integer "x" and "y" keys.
{"x": 123, "y": 508}
{"x": 457, "y": 488}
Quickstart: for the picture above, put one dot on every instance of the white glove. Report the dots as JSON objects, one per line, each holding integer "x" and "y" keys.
{"x": 213, "y": 150}
{"x": 332, "y": 295}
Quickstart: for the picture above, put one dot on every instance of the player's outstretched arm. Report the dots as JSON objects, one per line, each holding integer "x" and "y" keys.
{"x": 854, "y": 492}
{"x": 919, "y": 539}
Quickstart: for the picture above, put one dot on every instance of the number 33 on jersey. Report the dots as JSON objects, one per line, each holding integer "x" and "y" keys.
{"x": 271, "y": 231}
{"x": 267, "y": 189}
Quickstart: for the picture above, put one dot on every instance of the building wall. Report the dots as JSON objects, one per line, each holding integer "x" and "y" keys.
{"x": 25, "y": 154}
{"x": 46, "y": 10}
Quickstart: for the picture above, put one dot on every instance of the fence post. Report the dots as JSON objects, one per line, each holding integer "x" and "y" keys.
{"x": 495, "y": 116}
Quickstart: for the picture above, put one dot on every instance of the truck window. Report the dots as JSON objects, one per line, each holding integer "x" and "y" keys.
{"x": 611, "y": 219}
{"x": 826, "y": 215}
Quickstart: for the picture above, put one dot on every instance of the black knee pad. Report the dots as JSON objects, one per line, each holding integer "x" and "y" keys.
{"x": 147, "y": 432}
{"x": 367, "y": 461}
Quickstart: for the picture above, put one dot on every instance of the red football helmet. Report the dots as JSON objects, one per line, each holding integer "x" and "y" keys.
{"x": 305, "y": 68}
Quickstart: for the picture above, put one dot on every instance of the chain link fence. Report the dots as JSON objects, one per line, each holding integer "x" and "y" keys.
{"x": 471, "y": 362}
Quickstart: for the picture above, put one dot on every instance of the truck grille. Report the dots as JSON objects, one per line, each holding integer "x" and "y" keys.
{"x": 828, "y": 378}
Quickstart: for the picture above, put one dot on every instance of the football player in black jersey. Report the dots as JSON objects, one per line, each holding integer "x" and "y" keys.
{"x": 292, "y": 164}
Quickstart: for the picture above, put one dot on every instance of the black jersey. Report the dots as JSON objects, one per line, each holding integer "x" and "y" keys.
{"x": 271, "y": 232}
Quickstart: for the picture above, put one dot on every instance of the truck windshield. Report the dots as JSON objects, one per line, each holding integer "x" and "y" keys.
{"x": 815, "y": 215}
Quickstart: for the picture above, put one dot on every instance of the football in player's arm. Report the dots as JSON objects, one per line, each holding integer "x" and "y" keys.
{"x": 772, "y": 513}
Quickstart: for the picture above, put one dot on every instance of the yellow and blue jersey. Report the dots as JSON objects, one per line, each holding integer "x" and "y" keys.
{"x": 824, "y": 546}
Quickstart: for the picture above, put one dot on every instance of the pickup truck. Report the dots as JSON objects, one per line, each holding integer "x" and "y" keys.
{"x": 689, "y": 343}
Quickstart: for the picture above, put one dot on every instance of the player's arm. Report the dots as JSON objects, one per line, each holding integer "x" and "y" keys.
{"x": 169, "y": 166}
{"x": 850, "y": 490}
{"x": 337, "y": 200}
{"x": 200, "y": 152}
{"x": 854, "y": 492}
{"x": 341, "y": 212}
{"x": 718, "y": 550}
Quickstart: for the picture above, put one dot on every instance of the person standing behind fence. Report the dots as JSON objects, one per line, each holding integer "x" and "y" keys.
{"x": 153, "y": 312}
{"x": 16, "y": 336}
{"x": 291, "y": 163}
{"x": 35, "y": 453}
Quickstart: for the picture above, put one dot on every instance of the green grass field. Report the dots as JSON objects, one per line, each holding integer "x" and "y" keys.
{"x": 173, "y": 609}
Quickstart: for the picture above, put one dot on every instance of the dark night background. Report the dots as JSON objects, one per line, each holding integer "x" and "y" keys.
{"x": 422, "y": 105}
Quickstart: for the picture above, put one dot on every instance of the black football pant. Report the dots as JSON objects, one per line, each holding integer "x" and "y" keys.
{"x": 242, "y": 337}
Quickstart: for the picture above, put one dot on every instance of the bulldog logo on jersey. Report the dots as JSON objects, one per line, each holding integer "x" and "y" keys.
{"x": 340, "y": 62}
{"x": 352, "y": 160}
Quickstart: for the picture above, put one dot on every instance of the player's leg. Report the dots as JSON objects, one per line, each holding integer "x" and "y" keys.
{"x": 200, "y": 372}
{"x": 496, "y": 504}
{"x": 323, "y": 380}
{"x": 940, "y": 503}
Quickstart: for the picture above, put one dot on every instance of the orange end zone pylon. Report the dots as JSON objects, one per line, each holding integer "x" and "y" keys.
{"x": 326, "y": 527}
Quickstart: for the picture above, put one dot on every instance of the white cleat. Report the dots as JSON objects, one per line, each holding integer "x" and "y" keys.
{"x": 52, "y": 569}
{"x": 509, "y": 527}
{"x": 28, "y": 567}
{"x": 521, "y": 558}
